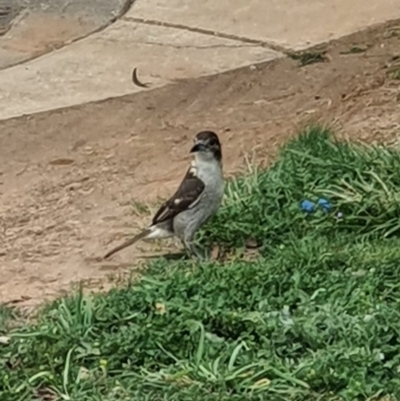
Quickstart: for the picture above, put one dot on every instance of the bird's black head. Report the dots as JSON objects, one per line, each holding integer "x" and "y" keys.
{"x": 207, "y": 144}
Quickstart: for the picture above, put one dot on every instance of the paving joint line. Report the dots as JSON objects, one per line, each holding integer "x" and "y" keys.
{"x": 210, "y": 32}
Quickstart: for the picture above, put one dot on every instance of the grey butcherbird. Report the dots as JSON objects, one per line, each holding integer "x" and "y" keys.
{"x": 196, "y": 200}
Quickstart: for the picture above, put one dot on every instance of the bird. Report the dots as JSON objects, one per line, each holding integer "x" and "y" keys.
{"x": 196, "y": 200}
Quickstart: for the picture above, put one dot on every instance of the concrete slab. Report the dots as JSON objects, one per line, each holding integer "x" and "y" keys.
{"x": 30, "y": 28}
{"x": 174, "y": 39}
{"x": 294, "y": 24}
{"x": 100, "y": 66}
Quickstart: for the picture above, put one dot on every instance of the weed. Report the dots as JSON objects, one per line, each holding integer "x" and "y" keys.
{"x": 356, "y": 49}
{"x": 396, "y": 74}
{"x": 140, "y": 208}
{"x": 309, "y": 57}
{"x": 6, "y": 315}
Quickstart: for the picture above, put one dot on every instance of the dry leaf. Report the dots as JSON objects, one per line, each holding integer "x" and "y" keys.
{"x": 160, "y": 308}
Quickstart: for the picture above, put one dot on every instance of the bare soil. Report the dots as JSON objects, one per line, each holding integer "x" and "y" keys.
{"x": 73, "y": 181}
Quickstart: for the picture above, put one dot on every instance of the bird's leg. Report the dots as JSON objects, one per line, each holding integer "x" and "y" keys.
{"x": 193, "y": 250}
{"x": 185, "y": 247}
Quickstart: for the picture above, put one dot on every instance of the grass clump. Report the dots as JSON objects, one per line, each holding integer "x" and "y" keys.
{"x": 361, "y": 182}
{"x": 396, "y": 74}
{"x": 309, "y": 57}
{"x": 315, "y": 317}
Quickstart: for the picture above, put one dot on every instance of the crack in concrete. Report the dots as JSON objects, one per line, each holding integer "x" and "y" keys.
{"x": 209, "y": 32}
{"x": 162, "y": 44}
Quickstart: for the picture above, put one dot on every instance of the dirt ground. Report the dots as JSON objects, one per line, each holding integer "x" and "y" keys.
{"x": 73, "y": 181}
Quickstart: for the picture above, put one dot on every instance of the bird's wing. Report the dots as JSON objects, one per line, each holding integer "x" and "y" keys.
{"x": 187, "y": 195}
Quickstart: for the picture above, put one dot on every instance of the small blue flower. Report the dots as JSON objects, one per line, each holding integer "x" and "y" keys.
{"x": 325, "y": 204}
{"x": 307, "y": 206}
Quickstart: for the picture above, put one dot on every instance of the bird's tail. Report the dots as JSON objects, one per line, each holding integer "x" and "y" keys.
{"x": 127, "y": 243}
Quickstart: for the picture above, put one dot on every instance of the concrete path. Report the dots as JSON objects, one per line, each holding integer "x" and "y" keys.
{"x": 176, "y": 39}
{"x": 31, "y": 28}
{"x": 294, "y": 24}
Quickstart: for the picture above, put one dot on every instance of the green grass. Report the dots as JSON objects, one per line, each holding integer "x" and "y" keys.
{"x": 355, "y": 49}
{"x": 309, "y": 57}
{"x": 6, "y": 315}
{"x": 396, "y": 74}
{"x": 316, "y": 316}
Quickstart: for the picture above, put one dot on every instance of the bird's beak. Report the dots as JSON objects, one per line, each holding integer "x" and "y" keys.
{"x": 198, "y": 147}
